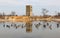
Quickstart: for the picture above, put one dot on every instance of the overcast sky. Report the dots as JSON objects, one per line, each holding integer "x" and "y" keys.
{"x": 19, "y": 6}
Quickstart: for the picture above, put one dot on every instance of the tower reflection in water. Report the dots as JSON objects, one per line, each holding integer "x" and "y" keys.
{"x": 29, "y": 25}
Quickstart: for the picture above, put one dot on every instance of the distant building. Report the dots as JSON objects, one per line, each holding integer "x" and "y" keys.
{"x": 28, "y": 10}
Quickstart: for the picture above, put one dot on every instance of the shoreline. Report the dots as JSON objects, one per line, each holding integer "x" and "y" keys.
{"x": 28, "y": 20}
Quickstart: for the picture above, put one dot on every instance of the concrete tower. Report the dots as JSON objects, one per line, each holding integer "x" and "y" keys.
{"x": 28, "y": 10}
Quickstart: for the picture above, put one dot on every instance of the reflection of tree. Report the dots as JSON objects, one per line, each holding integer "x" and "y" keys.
{"x": 44, "y": 26}
{"x": 8, "y": 26}
{"x": 50, "y": 27}
{"x": 57, "y": 25}
{"x": 37, "y": 25}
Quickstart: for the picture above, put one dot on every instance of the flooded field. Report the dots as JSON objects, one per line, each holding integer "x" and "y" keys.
{"x": 35, "y": 29}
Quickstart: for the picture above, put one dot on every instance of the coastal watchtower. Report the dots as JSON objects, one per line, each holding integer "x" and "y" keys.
{"x": 28, "y": 10}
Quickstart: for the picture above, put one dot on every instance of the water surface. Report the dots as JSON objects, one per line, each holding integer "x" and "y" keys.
{"x": 35, "y": 29}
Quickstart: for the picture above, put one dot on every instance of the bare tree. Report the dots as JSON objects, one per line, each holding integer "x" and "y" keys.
{"x": 3, "y": 14}
{"x": 0, "y": 14}
{"x": 44, "y": 11}
{"x": 13, "y": 13}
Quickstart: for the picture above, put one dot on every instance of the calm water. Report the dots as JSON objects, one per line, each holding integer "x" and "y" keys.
{"x": 36, "y": 29}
